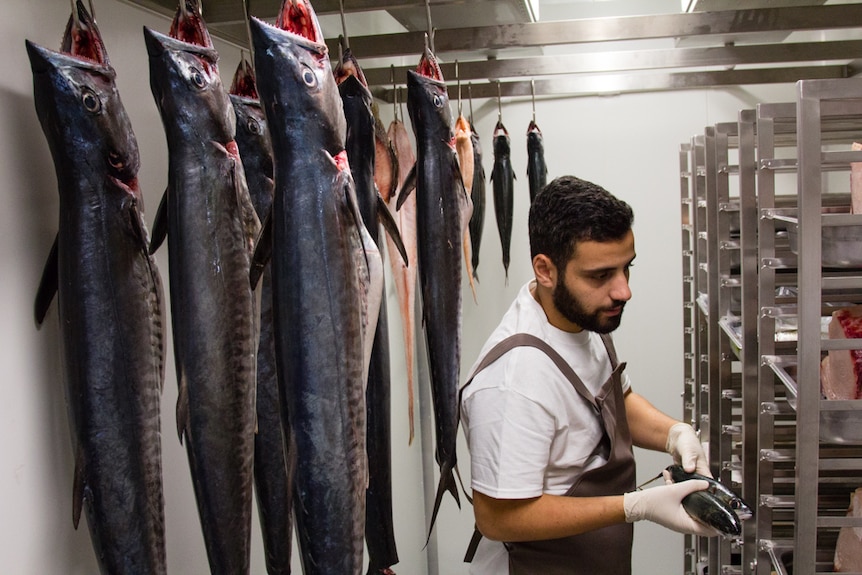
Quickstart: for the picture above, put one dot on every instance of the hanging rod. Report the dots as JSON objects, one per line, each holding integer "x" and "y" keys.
{"x": 620, "y": 61}
{"x": 613, "y": 84}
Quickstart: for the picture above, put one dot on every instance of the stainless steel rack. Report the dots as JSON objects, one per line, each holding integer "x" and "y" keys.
{"x": 757, "y": 195}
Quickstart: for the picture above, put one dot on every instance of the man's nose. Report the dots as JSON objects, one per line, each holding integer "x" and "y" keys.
{"x": 620, "y": 291}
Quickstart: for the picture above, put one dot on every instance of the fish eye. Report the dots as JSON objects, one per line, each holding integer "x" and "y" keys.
{"x": 91, "y": 101}
{"x": 253, "y": 126}
{"x": 438, "y": 101}
{"x": 198, "y": 78}
{"x": 309, "y": 77}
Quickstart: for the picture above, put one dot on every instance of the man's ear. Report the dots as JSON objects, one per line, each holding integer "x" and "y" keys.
{"x": 545, "y": 271}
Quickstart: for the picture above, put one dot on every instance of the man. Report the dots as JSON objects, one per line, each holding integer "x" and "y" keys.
{"x": 550, "y": 417}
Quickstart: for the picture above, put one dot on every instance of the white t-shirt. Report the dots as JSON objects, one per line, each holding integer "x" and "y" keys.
{"x": 529, "y": 432}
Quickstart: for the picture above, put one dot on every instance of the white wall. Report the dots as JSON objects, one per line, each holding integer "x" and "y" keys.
{"x": 627, "y": 144}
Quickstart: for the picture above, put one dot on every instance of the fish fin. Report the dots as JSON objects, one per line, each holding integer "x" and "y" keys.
{"x": 391, "y": 228}
{"x": 182, "y": 408}
{"x": 350, "y": 198}
{"x": 47, "y": 285}
{"x": 160, "y": 224}
{"x": 262, "y": 251}
{"x": 78, "y": 488}
{"x": 407, "y": 187}
{"x": 461, "y": 483}
{"x": 447, "y": 483}
{"x": 138, "y": 227}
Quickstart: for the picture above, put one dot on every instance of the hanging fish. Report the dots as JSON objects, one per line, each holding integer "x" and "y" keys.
{"x": 274, "y": 458}
{"x": 404, "y": 274}
{"x": 537, "y": 170}
{"x": 442, "y": 214}
{"x": 110, "y": 302}
{"x": 361, "y": 150}
{"x": 327, "y": 285}
{"x": 211, "y": 225}
{"x": 503, "y": 179}
{"x": 477, "y": 196}
{"x": 464, "y": 148}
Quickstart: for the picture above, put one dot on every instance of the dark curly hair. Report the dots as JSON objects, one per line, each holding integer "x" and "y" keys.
{"x": 569, "y": 210}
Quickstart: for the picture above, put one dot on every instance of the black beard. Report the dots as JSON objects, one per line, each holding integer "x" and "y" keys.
{"x": 572, "y": 310}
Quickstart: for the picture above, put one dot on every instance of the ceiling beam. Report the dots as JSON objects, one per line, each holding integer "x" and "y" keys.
{"x": 619, "y": 61}
{"x": 613, "y": 84}
{"x": 551, "y": 33}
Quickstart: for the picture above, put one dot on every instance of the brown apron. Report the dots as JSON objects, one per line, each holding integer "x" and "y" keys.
{"x": 605, "y": 551}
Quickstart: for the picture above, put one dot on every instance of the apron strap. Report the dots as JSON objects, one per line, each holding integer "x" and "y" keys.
{"x": 529, "y": 340}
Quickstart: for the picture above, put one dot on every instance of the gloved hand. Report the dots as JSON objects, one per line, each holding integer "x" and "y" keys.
{"x": 685, "y": 447}
{"x": 663, "y": 505}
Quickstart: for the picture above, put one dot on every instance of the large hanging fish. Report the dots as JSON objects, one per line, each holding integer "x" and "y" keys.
{"x": 404, "y": 273}
{"x": 442, "y": 213}
{"x": 464, "y": 149}
{"x": 477, "y": 196}
{"x": 503, "y": 179}
{"x": 274, "y": 460}
{"x": 537, "y": 170}
{"x": 327, "y": 285}
{"x": 361, "y": 150}
{"x": 109, "y": 302}
{"x": 211, "y": 225}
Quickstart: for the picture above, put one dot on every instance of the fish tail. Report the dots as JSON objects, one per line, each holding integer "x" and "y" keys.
{"x": 447, "y": 483}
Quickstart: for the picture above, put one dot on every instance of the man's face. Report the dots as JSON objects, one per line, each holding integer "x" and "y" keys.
{"x": 593, "y": 289}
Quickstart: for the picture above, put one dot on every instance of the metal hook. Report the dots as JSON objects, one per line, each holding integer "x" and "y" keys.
{"x": 458, "y": 80}
{"x": 92, "y": 11}
{"x": 430, "y": 26}
{"x": 533, "y": 97}
{"x": 75, "y": 18}
{"x": 470, "y": 97}
{"x": 394, "y": 91}
{"x": 247, "y": 30}
{"x": 343, "y": 24}
{"x": 499, "y": 104}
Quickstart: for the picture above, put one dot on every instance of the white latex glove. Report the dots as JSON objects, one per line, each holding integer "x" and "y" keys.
{"x": 663, "y": 505}
{"x": 684, "y": 446}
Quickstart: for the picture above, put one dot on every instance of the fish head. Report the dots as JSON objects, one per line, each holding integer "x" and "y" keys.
{"x": 428, "y": 106}
{"x": 348, "y": 66}
{"x": 188, "y": 91}
{"x": 296, "y": 84}
{"x": 83, "y": 117}
{"x": 501, "y": 139}
{"x": 243, "y": 83}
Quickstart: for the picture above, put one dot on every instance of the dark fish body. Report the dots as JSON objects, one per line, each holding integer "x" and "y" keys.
{"x": 537, "y": 170}
{"x": 321, "y": 265}
{"x": 440, "y": 204}
{"x": 721, "y": 491}
{"x": 708, "y": 508}
{"x": 503, "y": 180}
{"x": 274, "y": 459}
{"x": 361, "y": 148}
{"x": 211, "y": 228}
{"x": 110, "y": 309}
{"x": 477, "y": 195}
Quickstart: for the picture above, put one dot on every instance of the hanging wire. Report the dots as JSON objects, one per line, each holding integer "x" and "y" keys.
{"x": 499, "y": 104}
{"x": 92, "y": 11}
{"x": 75, "y": 19}
{"x": 343, "y": 24}
{"x": 470, "y": 97}
{"x": 430, "y": 26}
{"x": 458, "y": 80}
{"x": 533, "y": 97}
{"x": 247, "y": 30}
{"x": 394, "y": 91}
{"x": 401, "y": 106}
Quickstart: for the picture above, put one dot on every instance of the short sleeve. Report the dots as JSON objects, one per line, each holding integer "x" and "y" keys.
{"x": 509, "y": 438}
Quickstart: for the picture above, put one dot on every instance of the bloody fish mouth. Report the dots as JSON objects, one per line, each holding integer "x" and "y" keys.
{"x": 297, "y": 17}
{"x": 188, "y": 25}
{"x": 82, "y": 38}
{"x": 428, "y": 65}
